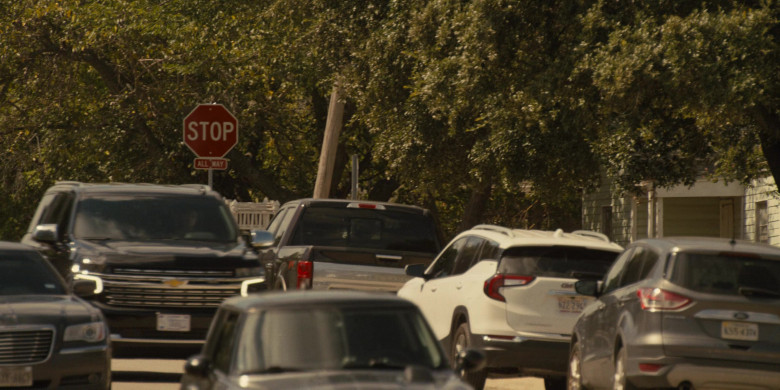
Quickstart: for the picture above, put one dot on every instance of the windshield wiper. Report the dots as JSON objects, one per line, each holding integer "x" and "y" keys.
{"x": 755, "y": 291}
{"x": 372, "y": 364}
{"x": 273, "y": 370}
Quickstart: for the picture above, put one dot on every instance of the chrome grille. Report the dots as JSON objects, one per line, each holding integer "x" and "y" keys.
{"x": 25, "y": 346}
{"x": 150, "y": 288}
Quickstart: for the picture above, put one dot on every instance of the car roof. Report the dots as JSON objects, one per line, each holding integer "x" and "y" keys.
{"x": 15, "y": 246}
{"x": 318, "y": 298}
{"x": 708, "y": 244}
{"x": 356, "y": 203}
{"x": 508, "y": 238}
{"x": 140, "y": 188}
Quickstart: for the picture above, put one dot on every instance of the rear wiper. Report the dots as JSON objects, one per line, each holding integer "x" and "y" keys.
{"x": 755, "y": 291}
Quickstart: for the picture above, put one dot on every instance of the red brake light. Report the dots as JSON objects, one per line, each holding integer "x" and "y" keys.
{"x": 649, "y": 367}
{"x": 654, "y": 299}
{"x": 494, "y": 284}
{"x": 305, "y": 272}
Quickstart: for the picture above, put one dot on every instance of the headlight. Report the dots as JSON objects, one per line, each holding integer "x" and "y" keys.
{"x": 91, "y": 332}
{"x": 252, "y": 286}
{"x": 248, "y": 271}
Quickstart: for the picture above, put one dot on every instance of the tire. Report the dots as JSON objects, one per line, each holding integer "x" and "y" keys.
{"x": 574, "y": 373}
{"x": 460, "y": 341}
{"x": 555, "y": 383}
{"x": 619, "y": 380}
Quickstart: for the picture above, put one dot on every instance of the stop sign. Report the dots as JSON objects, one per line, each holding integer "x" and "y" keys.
{"x": 210, "y": 130}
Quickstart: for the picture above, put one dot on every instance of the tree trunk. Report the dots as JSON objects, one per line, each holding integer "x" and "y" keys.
{"x": 769, "y": 134}
{"x": 476, "y": 206}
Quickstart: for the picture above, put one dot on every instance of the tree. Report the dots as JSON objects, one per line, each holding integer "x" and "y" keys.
{"x": 685, "y": 87}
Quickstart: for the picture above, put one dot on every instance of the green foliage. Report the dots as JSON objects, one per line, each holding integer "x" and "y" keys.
{"x": 494, "y": 111}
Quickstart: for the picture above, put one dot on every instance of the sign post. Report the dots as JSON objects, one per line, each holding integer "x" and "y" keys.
{"x": 210, "y": 131}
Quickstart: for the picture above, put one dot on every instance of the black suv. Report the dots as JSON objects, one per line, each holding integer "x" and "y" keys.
{"x": 163, "y": 257}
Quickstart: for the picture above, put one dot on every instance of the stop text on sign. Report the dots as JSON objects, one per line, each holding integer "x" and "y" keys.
{"x": 210, "y": 131}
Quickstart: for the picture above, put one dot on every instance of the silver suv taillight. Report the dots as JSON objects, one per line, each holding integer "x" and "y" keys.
{"x": 656, "y": 299}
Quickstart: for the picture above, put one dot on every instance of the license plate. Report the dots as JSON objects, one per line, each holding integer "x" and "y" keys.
{"x": 568, "y": 304}
{"x": 16, "y": 377}
{"x": 739, "y": 331}
{"x": 173, "y": 322}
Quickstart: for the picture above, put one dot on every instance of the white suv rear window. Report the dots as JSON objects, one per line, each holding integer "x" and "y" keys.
{"x": 556, "y": 261}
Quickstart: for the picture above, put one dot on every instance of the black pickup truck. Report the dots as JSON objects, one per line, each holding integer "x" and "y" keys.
{"x": 163, "y": 257}
{"x": 346, "y": 244}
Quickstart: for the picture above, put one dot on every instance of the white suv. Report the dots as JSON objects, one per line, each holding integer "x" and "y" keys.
{"x": 510, "y": 292}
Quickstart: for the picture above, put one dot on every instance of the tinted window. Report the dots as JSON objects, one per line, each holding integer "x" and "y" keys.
{"x": 123, "y": 217}
{"x": 24, "y": 273}
{"x": 467, "y": 255}
{"x": 612, "y": 279}
{"x": 556, "y": 261}
{"x": 280, "y": 224}
{"x": 366, "y": 228}
{"x": 489, "y": 251}
{"x": 445, "y": 263}
{"x": 332, "y": 338}
{"x": 724, "y": 274}
{"x": 639, "y": 266}
{"x": 225, "y": 341}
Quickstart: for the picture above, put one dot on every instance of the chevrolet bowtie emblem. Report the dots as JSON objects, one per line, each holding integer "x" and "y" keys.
{"x": 174, "y": 282}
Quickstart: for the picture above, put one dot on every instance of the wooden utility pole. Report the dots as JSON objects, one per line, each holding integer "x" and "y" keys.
{"x": 329, "y": 144}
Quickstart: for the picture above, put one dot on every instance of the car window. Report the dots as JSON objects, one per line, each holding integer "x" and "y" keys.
{"x": 366, "y": 228}
{"x": 556, "y": 261}
{"x": 726, "y": 274}
{"x": 639, "y": 266}
{"x": 335, "y": 338}
{"x": 612, "y": 279}
{"x": 23, "y": 273}
{"x": 125, "y": 217}
{"x": 489, "y": 251}
{"x": 225, "y": 342}
{"x": 467, "y": 255}
{"x": 58, "y": 213}
{"x": 43, "y": 207}
{"x": 444, "y": 265}
{"x": 280, "y": 224}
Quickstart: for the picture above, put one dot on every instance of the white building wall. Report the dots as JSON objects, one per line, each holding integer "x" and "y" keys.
{"x": 762, "y": 190}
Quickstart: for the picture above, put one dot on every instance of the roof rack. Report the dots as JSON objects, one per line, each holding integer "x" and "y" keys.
{"x": 590, "y": 233}
{"x": 496, "y": 228}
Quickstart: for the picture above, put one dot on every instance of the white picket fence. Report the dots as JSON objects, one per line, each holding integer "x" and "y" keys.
{"x": 253, "y": 215}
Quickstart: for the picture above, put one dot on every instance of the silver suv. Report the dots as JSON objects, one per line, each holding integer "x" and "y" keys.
{"x": 510, "y": 292}
{"x": 682, "y": 313}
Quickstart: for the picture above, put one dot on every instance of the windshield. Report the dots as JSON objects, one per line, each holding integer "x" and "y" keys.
{"x": 366, "y": 228}
{"x": 556, "y": 261}
{"x": 26, "y": 274}
{"x": 123, "y": 217}
{"x": 336, "y": 338}
{"x": 727, "y": 274}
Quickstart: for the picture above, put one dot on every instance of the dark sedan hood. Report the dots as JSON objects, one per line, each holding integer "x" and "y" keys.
{"x": 37, "y": 309}
{"x": 350, "y": 380}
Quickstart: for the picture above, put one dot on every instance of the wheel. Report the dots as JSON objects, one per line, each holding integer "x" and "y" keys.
{"x": 460, "y": 341}
{"x": 619, "y": 381}
{"x": 555, "y": 383}
{"x": 574, "y": 374}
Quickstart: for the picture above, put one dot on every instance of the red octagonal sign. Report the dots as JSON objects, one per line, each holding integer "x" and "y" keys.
{"x": 210, "y": 131}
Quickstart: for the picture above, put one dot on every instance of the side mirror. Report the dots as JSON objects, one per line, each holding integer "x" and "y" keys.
{"x": 46, "y": 233}
{"x": 261, "y": 239}
{"x": 470, "y": 360}
{"x": 84, "y": 287}
{"x": 197, "y": 366}
{"x": 587, "y": 287}
{"x": 415, "y": 270}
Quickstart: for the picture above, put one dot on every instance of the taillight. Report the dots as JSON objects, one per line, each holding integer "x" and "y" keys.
{"x": 494, "y": 284}
{"x": 653, "y": 299}
{"x": 305, "y": 272}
